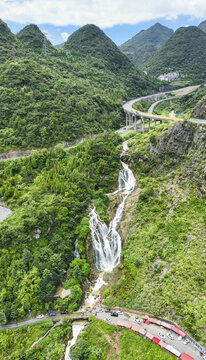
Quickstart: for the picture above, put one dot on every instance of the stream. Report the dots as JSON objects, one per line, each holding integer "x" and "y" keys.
{"x": 106, "y": 243}
{"x": 77, "y": 327}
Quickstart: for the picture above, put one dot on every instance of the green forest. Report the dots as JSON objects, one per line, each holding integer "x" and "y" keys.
{"x": 64, "y": 95}
{"x": 185, "y": 52}
{"x": 49, "y": 98}
{"x": 16, "y": 344}
{"x": 49, "y": 193}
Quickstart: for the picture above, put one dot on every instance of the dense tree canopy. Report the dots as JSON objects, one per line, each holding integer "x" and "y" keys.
{"x": 49, "y": 193}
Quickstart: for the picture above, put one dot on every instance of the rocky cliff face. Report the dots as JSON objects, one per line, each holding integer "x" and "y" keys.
{"x": 182, "y": 145}
{"x": 199, "y": 111}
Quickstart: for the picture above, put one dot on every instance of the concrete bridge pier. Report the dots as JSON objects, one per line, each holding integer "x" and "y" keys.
{"x": 142, "y": 124}
{"x": 135, "y": 126}
{"x": 130, "y": 119}
{"x": 149, "y": 124}
{"x": 127, "y": 119}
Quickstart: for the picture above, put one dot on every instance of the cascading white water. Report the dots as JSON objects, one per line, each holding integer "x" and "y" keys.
{"x": 76, "y": 252}
{"x": 106, "y": 241}
{"x": 77, "y": 327}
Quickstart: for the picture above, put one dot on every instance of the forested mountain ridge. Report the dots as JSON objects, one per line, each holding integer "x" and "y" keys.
{"x": 91, "y": 43}
{"x": 184, "y": 51}
{"x": 32, "y": 38}
{"x": 142, "y": 46}
{"x": 61, "y": 96}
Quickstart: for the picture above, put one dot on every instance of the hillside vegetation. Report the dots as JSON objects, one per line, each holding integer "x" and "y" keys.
{"x": 191, "y": 105}
{"x": 102, "y": 341}
{"x": 49, "y": 194}
{"x": 142, "y": 46}
{"x": 15, "y": 344}
{"x": 62, "y": 96}
{"x": 185, "y": 51}
{"x": 163, "y": 260}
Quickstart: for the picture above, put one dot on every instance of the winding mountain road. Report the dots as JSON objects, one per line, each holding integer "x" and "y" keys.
{"x": 125, "y": 316}
{"x": 128, "y": 106}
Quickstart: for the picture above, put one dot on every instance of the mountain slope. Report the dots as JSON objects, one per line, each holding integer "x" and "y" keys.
{"x": 143, "y": 45}
{"x": 202, "y": 26}
{"x": 32, "y": 38}
{"x": 185, "y": 52}
{"x": 7, "y": 40}
{"x": 90, "y": 42}
{"x": 61, "y": 97}
{"x": 164, "y": 229}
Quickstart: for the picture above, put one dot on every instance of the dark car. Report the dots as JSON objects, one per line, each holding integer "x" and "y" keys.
{"x": 64, "y": 312}
{"x": 114, "y": 313}
{"x": 107, "y": 310}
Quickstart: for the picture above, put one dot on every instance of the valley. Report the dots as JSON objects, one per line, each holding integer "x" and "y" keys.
{"x": 97, "y": 211}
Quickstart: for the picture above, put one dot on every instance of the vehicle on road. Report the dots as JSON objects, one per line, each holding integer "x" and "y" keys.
{"x": 114, "y": 313}
{"x": 101, "y": 310}
{"x": 170, "y": 336}
{"x": 137, "y": 321}
{"x": 186, "y": 341}
{"x": 107, "y": 310}
{"x": 107, "y": 319}
{"x": 180, "y": 338}
{"x": 162, "y": 336}
{"x": 52, "y": 314}
{"x": 119, "y": 312}
{"x": 39, "y": 316}
{"x": 64, "y": 312}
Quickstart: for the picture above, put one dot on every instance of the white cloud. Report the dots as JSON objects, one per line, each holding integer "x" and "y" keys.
{"x": 102, "y": 13}
{"x": 65, "y": 36}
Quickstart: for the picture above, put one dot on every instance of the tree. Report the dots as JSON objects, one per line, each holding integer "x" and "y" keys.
{"x": 3, "y": 319}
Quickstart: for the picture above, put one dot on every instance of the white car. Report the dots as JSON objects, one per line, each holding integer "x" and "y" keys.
{"x": 137, "y": 321}
{"x": 179, "y": 337}
{"x": 107, "y": 319}
{"x": 162, "y": 335}
{"x": 119, "y": 312}
{"x": 39, "y": 316}
{"x": 186, "y": 341}
{"x": 170, "y": 336}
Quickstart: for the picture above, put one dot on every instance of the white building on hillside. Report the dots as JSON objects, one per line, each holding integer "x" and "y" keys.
{"x": 170, "y": 76}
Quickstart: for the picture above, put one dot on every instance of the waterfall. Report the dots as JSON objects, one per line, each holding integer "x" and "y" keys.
{"x": 106, "y": 241}
{"x": 77, "y": 327}
{"x": 76, "y": 252}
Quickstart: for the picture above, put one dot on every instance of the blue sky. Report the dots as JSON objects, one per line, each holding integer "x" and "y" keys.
{"x": 119, "y": 19}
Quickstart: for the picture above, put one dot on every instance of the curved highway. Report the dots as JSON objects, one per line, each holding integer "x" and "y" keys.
{"x": 128, "y": 107}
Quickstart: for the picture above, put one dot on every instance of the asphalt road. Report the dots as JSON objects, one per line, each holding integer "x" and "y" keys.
{"x": 127, "y": 106}
{"x": 155, "y": 330}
